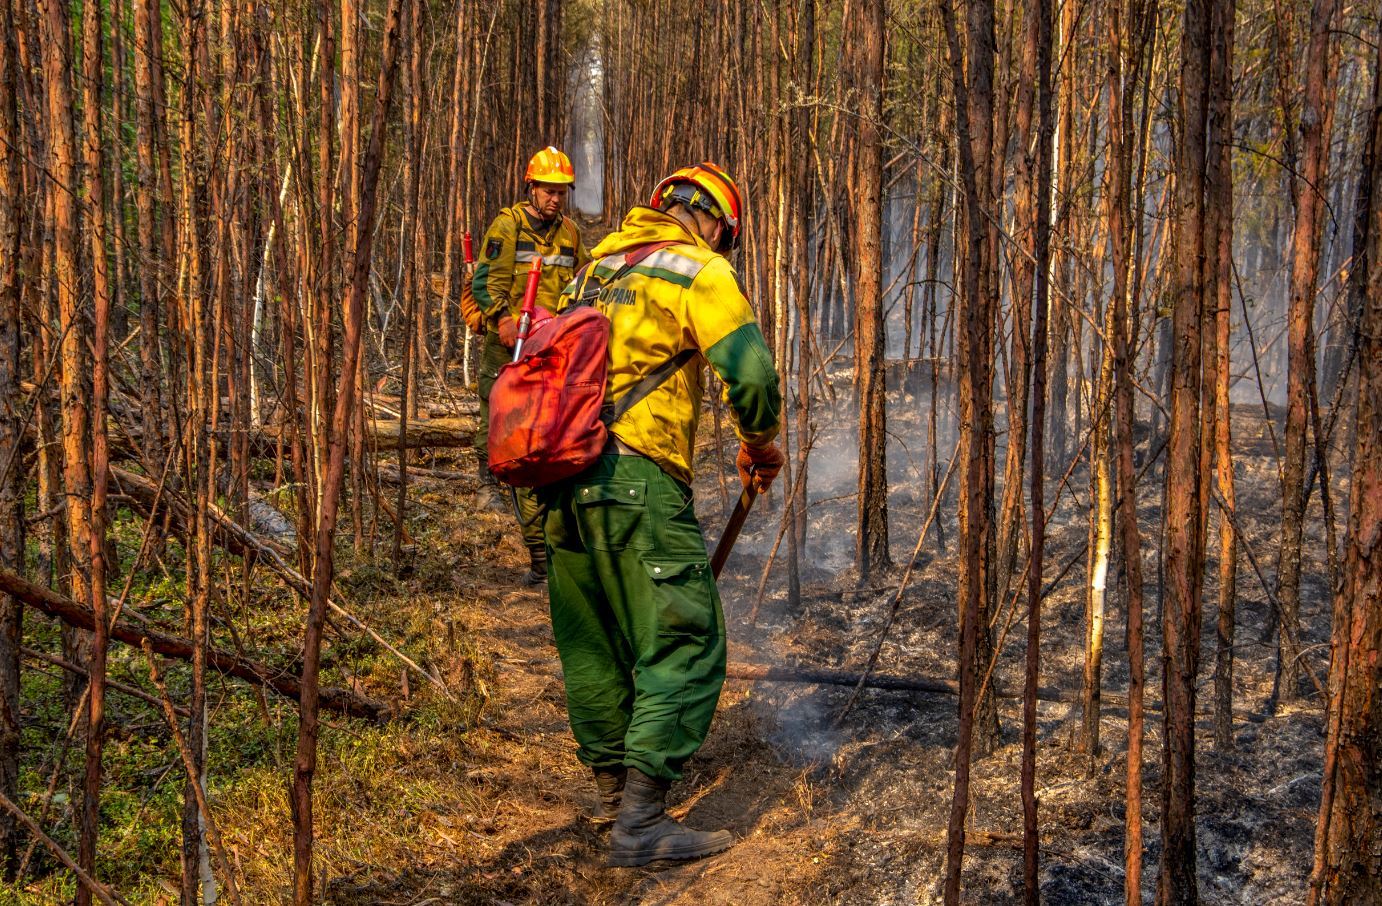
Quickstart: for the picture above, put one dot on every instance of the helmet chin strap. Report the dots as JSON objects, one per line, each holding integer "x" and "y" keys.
{"x": 532, "y": 203}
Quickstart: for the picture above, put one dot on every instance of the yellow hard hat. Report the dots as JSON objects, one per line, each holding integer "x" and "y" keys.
{"x": 708, "y": 188}
{"x": 550, "y": 166}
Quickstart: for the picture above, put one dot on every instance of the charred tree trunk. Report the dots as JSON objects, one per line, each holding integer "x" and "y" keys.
{"x": 201, "y": 399}
{"x": 413, "y": 277}
{"x": 1176, "y": 885}
{"x": 1039, "y": 46}
{"x": 871, "y": 550}
{"x": 973, "y": 94}
{"x": 1125, "y": 68}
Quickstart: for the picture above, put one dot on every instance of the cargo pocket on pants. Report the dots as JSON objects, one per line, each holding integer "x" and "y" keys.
{"x": 612, "y": 515}
{"x": 685, "y": 597}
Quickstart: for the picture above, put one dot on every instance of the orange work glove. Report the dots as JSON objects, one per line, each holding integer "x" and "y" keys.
{"x": 470, "y": 311}
{"x": 759, "y": 465}
{"x": 508, "y": 331}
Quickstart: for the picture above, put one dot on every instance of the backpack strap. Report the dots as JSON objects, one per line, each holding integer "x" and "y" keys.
{"x": 651, "y": 381}
{"x": 586, "y": 294}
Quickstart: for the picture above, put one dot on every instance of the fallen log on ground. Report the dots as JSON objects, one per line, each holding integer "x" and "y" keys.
{"x": 382, "y": 433}
{"x": 342, "y": 701}
{"x": 825, "y": 676}
{"x": 458, "y": 431}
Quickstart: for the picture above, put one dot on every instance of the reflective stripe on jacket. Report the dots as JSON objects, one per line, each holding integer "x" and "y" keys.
{"x": 683, "y": 296}
{"x": 513, "y": 240}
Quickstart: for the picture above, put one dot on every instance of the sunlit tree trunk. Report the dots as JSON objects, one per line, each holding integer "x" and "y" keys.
{"x": 1219, "y": 252}
{"x": 1305, "y": 260}
{"x": 871, "y": 550}
{"x": 1037, "y": 51}
{"x": 1348, "y": 862}
{"x": 305, "y": 763}
{"x": 150, "y": 293}
{"x": 973, "y": 94}
{"x": 1101, "y": 537}
{"x": 11, "y": 487}
{"x": 93, "y": 172}
{"x": 1127, "y": 60}
{"x": 1180, "y": 623}
{"x": 75, "y": 372}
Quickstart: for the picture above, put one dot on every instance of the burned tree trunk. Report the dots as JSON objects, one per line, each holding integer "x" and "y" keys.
{"x": 202, "y": 401}
{"x": 973, "y": 93}
{"x": 1180, "y": 624}
{"x": 150, "y": 292}
{"x": 1125, "y": 68}
{"x": 1039, "y": 46}
{"x": 871, "y": 542}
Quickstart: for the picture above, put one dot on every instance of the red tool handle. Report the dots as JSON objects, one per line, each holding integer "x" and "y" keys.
{"x": 469, "y": 246}
{"x": 525, "y": 318}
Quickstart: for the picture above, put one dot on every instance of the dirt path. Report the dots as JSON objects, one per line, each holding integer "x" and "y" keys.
{"x": 512, "y": 825}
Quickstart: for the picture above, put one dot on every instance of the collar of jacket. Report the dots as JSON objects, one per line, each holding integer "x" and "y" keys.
{"x": 643, "y": 225}
{"x": 537, "y": 225}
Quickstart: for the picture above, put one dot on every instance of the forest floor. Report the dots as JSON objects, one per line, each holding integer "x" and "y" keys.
{"x": 476, "y": 796}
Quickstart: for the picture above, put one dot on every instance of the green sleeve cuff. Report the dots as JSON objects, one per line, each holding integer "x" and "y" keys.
{"x": 745, "y": 365}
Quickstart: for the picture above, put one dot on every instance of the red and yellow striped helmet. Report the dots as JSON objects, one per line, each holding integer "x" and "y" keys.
{"x": 550, "y": 166}
{"x": 707, "y": 187}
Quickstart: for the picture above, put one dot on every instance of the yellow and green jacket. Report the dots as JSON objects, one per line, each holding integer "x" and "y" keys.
{"x": 685, "y": 296}
{"x": 513, "y": 240}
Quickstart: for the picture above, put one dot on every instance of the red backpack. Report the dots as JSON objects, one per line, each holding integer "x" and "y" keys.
{"x": 547, "y": 414}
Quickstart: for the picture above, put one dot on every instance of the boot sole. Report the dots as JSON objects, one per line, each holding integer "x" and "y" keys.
{"x": 718, "y": 844}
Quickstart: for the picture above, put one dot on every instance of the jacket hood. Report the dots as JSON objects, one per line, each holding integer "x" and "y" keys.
{"x": 643, "y": 225}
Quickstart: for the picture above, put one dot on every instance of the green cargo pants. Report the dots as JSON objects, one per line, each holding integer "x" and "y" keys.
{"x": 531, "y": 512}
{"x": 636, "y": 615}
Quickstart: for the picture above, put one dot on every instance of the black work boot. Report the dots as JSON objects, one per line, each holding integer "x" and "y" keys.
{"x": 537, "y": 571}
{"x": 609, "y": 782}
{"x": 489, "y": 494}
{"x": 644, "y": 832}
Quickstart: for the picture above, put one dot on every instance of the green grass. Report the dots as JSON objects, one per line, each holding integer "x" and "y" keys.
{"x": 374, "y": 783}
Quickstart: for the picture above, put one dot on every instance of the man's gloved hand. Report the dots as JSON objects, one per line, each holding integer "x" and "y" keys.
{"x": 508, "y": 331}
{"x": 759, "y": 465}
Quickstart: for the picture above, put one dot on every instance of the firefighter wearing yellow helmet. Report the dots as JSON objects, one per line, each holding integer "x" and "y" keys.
{"x": 635, "y": 611}
{"x": 533, "y": 228}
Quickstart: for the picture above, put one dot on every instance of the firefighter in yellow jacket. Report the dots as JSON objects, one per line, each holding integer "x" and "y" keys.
{"x": 635, "y": 611}
{"x": 535, "y": 228}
